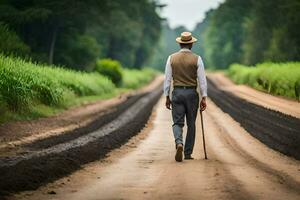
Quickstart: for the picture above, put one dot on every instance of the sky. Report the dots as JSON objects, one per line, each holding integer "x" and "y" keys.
{"x": 187, "y": 12}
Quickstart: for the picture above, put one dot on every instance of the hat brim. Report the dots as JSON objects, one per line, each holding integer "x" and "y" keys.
{"x": 178, "y": 40}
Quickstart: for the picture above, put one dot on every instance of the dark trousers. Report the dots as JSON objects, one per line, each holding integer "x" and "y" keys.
{"x": 185, "y": 103}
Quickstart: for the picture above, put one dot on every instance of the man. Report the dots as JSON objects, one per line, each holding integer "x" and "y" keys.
{"x": 185, "y": 67}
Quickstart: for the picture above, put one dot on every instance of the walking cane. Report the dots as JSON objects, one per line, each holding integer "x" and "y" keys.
{"x": 202, "y": 125}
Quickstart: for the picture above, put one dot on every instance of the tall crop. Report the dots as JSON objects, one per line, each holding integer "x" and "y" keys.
{"x": 275, "y": 78}
{"x": 23, "y": 83}
{"x": 135, "y": 78}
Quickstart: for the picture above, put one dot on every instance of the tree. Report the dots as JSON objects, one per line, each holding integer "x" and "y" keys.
{"x": 225, "y": 34}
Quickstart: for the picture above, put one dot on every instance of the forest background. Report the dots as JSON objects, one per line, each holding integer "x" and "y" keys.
{"x": 75, "y": 33}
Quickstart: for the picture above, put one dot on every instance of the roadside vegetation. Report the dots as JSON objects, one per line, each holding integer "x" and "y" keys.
{"x": 29, "y": 90}
{"x": 275, "y": 78}
{"x": 123, "y": 77}
{"x": 135, "y": 78}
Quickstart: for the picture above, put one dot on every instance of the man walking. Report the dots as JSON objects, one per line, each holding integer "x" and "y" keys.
{"x": 185, "y": 68}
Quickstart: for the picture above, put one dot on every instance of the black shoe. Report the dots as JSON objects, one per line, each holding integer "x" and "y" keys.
{"x": 188, "y": 157}
{"x": 179, "y": 150}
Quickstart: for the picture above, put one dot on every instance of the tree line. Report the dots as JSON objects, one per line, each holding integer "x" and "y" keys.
{"x": 251, "y": 32}
{"x": 76, "y": 33}
{"x": 244, "y": 31}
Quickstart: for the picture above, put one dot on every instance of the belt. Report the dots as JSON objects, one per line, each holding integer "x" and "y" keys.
{"x": 185, "y": 87}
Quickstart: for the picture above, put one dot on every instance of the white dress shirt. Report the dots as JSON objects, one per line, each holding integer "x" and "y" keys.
{"x": 202, "y": 84}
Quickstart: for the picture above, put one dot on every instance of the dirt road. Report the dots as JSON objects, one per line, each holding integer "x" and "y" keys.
{"x": 239, "y": 167}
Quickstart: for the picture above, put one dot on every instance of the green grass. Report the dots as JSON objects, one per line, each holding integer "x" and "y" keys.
{"x": 275, "y": 78}
{"x": 133, "y": 79}
{"x": 29, "y": 90}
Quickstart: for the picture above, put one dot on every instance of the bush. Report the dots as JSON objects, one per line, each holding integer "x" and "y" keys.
{"x": 110, "y": 68}
{"x": 11, "y": 43}
{"x": 275, "y": 78}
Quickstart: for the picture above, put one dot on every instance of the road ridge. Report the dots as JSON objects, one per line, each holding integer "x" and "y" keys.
{"x": 277, "y": 103}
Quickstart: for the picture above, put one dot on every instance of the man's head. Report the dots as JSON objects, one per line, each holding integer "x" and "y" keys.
{"x": 186, "y": 40}
{"x": 186, "y": 46}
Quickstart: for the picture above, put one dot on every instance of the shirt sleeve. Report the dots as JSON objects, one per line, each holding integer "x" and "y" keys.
{"x": 201, "y": 78}
{"x": 168, "y": 77}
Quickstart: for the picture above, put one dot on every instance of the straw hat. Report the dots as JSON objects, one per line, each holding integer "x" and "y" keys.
{"x": 186, "y": 38}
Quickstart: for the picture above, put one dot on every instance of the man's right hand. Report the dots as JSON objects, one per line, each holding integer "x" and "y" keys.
{"x": 203, "y": 104}
{"x": 168, "y": 103}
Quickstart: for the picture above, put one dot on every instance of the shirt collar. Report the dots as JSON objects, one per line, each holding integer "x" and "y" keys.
{"x": 185, "y": 50}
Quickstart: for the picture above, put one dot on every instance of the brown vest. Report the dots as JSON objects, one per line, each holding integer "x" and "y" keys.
{"x": 184, "y": 68}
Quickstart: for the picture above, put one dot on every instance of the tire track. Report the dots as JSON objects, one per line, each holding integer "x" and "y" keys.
{"x": 289, "y": 182}
{"x": 102, "y": 120}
